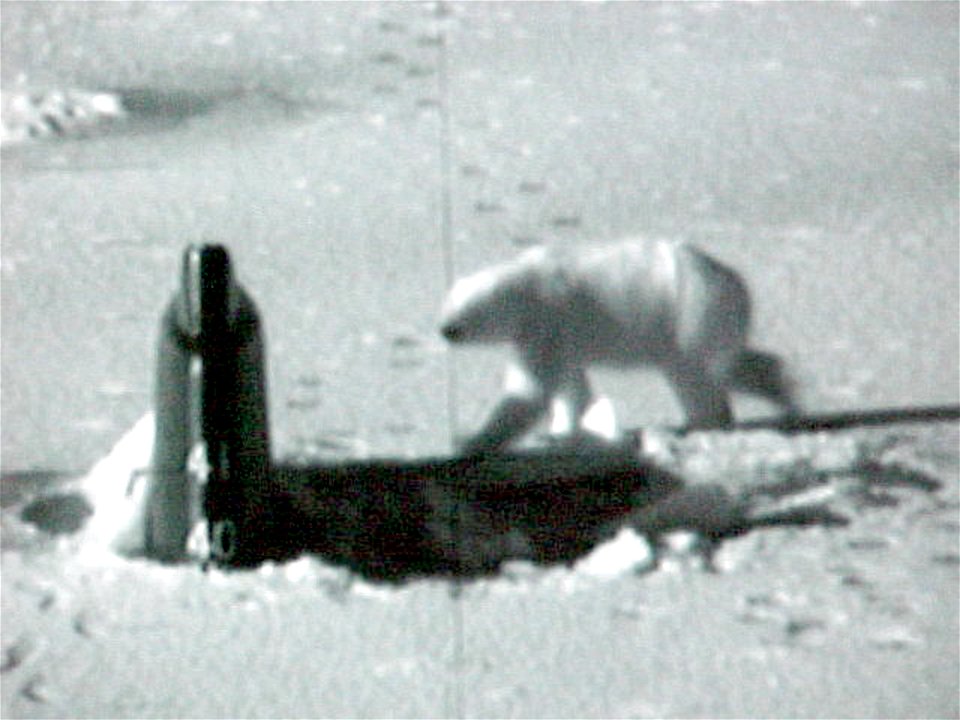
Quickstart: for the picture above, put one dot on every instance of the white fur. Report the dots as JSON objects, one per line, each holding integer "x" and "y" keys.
{"x": 638, "y": 302}
{"x": 600, "y": 420}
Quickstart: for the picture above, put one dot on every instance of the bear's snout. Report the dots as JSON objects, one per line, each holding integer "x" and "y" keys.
{"x": 452, "y": 332}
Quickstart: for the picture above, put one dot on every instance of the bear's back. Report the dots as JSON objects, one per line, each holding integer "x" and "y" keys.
{"x": 641, "y": 300}
{"x": 618, "y": 301}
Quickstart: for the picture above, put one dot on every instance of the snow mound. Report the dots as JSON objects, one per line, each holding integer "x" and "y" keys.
{"x": 116, "y": 488}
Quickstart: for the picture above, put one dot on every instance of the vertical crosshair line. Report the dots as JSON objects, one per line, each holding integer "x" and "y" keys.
{"x": 446, "y": 238}
{"x": 446, "y": 211}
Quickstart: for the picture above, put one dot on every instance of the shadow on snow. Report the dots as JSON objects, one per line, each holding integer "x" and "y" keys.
{"x": 395, "y": 520}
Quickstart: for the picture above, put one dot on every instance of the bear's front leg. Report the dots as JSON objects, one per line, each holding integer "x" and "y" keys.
{"x": 524, "y": 402}
{"x": 569, "y": 403}
{"x": 578, "y": 418}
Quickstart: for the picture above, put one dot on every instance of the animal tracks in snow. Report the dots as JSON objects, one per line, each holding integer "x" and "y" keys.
{"x": 406, "y": 62}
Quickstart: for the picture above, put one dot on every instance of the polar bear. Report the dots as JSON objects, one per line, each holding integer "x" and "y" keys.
{"x": 635, "y": 303}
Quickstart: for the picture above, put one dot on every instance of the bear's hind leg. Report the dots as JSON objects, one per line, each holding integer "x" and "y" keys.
{"x": 759, "y": 373}
{"x": 704, "y": 400}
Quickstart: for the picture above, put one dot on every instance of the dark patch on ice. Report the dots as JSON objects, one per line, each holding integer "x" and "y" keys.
{"x": 949, "y": 559}
{"x": 716, "y": 514}
{"x": 950, "y": 526}
{"x": 897, "y": 639}
{"x": 15, "y": 655}
{"x": 406, "y": 351}
{"x": 868, "y": 544}
{"x": 792, "y": 479}
{"x": 487, "y": 206}
{"x": 796, "y": 627}
{"x": 853, "y": 580}
{"x": 47, "y": 600}
{"x": 893, "y": 475}
{"x": 442, "y": 10}
{"x": 817, "y": 514}
{"x": 430, "y": 40}
{"x": 879, "y": 482}
{"x": 420, "y": 71}
{"x": 154, "y": 110}
{"x": 530, "y": 187}
{"x": 395, "y": 520}
{"x": 81, "y": 625}
{"x": 309, "y": 381}
{"x": 875, "y": 481}
{"x": 524, "y": 241}
{"x": 35, "y": 689}
{"x": 336, "y": 443}
{"x": 303, "y": 404}
{"x": 387, "y": 58}
{"x": 167, "y": 106}
{"x": 567, "y": 221}
{"x": 405, "y": 342}
{"x": 398, "y": 519}
{"x": 391, "y": 26}
{"x": 58, "y": 514}
{"x": 473, "y": 171}
{"x": 872, "y": 498}
{"x": 405, "y": 362}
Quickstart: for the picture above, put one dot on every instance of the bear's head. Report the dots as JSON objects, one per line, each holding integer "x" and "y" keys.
{"x": 504, "y": 302}
{"x": 483, "y": 307}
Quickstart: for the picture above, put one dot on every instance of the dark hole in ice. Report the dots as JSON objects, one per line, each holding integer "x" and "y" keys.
{"x": 59, "y": 514}
{"x": 398, "y": 519}
{"x": 395, "y": 520}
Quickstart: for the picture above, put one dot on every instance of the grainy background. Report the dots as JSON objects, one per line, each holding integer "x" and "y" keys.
{"x": 813, "y": 146}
